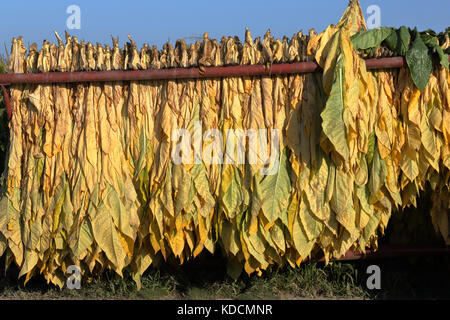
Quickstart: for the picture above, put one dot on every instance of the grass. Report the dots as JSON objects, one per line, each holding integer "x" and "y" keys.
{"x": 424, "y": 277}
{"x": 310, "y": 281}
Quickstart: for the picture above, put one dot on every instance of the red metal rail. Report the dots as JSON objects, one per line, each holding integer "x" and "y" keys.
{"x": 387, "y": 251}
{"x": 182, "y": 73}
{"x": 177, "y": 73}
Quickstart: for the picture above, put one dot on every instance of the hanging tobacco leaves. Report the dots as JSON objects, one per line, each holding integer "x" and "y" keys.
{"x": 123, "y": 175}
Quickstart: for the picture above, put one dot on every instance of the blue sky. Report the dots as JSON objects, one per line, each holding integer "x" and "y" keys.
{"x": 155, "y": 21}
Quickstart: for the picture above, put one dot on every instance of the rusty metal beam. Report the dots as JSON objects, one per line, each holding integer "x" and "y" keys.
{"x": 182, "y": 73}
{"x": 160, "y": 74}
{"x": 387, "y": 251}
{"x": 177, "y": 73}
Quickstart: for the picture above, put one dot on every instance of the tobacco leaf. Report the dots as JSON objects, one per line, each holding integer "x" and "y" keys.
{"x": 371, "y": 38}
{"x": 419, "y": 62}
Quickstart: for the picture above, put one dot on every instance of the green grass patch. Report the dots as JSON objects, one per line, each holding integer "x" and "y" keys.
{"x": 424, "y": 277}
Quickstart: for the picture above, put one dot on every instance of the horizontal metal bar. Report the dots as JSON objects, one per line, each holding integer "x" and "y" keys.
{"x": 160, "y": 74}
{"x": 182, "y": 73}
{"x": 388, "y": 251}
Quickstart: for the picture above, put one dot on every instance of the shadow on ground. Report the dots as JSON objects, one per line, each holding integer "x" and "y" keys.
{"x": 414, "y": 277}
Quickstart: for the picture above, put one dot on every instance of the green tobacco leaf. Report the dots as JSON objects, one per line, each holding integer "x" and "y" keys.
{"x": 419, "y": 62}
{"x": 370, "y": 148}
{"x": 342, "y": 196}
{"x": 200, "y": 180}
{"x": 371, "y": 38}
{"x": 404, "y": 39}
{"x": 433, "y": 42}
{"x": 430, "y": 41}
{"x": 275, "y": 190}
{"x": 377, "y": 175}
{"x": 443, "y": 57}
{"x": 399, "y": 41}
{"x": 391, "y": 41}
{"x": 231, "y": 191}
{"x": 430, "y": 32}
{"x": 301, "y": 242}
{"x": 84, "y": 240}
{"x": 107, "y": 237}
{"x": 333, "y": 122}
{"x": 312, "y": 225}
